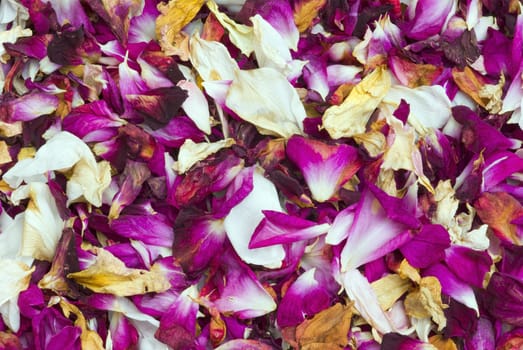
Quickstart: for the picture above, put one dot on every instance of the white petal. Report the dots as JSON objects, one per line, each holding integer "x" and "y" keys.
{"x": 429, "y": 105}
{"x": 211, "y": 59}
{"x": 241, "y": 222}
{"x": 266, "y": 99}
{"x": 196, "y": 106}
{"x": 42, "y": 222}
{"x": 190, "y": 153}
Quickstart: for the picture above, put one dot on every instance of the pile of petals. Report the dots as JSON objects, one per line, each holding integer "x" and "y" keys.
{"x": 261, "y": 174}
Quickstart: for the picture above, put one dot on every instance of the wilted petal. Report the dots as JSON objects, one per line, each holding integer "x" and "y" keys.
{"x": 43, "y": 223}
{"x": 110, "y": 275}
{"x": 266, "y": 99}
{"x": 178, "y": 325}
{"x": 498, "y": 210}
{"x": 504, "y": 298}
{"x": 243, "y": 218}
{"x": 133, "y": 176}
{"x": 397, "y": 341}
{"x": 15, "y": 278}
{"x": 325, "y": 167}
{"x": 27, "y": 107}
{"x": 197, "y": 240}
{"x": 351, "y": 117}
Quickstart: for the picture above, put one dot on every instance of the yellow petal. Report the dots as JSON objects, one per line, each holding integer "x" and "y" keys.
{"x": 305, "y": 12}
{"x": 109, "y": 275}
{"x": 426, "y": 301}
{"x": 173, "y": 17}
{"x": 327, "y": 329}
{"x": 5, "y": 157}
{"x": 389, "y": 289}
{"x": 90, "y": 339}
{"x": 351, "y": 117}
{"x": 441, "y": 343}
{"x": 191, "y": 153}
{"x": 241, "y": 36}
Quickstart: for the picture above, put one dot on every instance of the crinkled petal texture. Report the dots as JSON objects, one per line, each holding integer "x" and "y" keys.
{"x": 265, "y": 98}
{"x": 243, "y": 218}
{"x": 43, "y": 224}
{"x": 325, "y": 167}
{"x": 351, "y": 117}
{"x": 89, "y": 178}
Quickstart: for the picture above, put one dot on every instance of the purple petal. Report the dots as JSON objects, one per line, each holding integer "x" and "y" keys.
{"x": 308, "y": 295}
{"x": 469, "y": 265}
{"x": 482, "y": 338}
{"x": 427, "y": 246}
{"x": 280, "y": 228}
{"x": 428, "y": 18}
{"x": 92, "y": 122}
{"x": 395, "y": 341}
{"x": 498, "y": 167}
{"x": 27, "y": 107}
{"x": 240, "y": 292}
{"x": 372, "y": 234}
{"x": 133, "y": 177}
{"x": 452, "y": 285}
{"x": 505, "y": 298}
{"x": 154, "y": 229}
{"x": 198, "y": 239}
{"x": 124, "y": 335}
{"x": 325, "y": 167}
{"x": 178, "y": 325}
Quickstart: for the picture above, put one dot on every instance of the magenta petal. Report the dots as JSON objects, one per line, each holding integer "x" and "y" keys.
{"x": 372, "y": 234}
{"x": 452, "y": 285}
{"x": 178, "y": 325}
{"x": 469, "y": 265}
{"x": 280, "y": 228}
{"x": 482, "y": 338}
{"x": 498, "y": 167}
{"x": 308, "y": 295}
{"x": 395, "y": 341}
{"x": 240, "y": 292}
{"x": 123, "y": 333}
{"x": 428, "y": 18}
{"x": 325, "y": 167}
{"x": 427, "y": 246}
{"x": 154, "y": 229}
{"x": 92, "y": 122}
{"x": 27, "y": 107}
{"x": 198, "y": 239}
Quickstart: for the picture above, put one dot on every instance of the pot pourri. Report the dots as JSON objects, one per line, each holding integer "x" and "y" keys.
{"x": 280, "y": 174}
